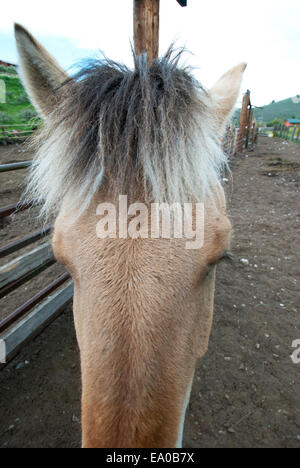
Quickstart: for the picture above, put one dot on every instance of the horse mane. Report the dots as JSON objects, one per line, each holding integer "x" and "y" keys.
{"x": 148, "y": 129}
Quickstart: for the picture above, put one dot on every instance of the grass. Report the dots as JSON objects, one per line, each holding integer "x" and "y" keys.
{"x": 8, "y": 70}
{"x": 16, "y": 99}
{"x": 17, "y": 110}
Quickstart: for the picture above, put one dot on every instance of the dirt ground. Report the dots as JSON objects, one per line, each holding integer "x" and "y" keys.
{"x": 246, "y": 389}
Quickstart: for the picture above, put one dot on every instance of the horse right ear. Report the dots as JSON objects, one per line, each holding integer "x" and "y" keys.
{"x": 41, "y": 74}
{"x": 225, "y": 93}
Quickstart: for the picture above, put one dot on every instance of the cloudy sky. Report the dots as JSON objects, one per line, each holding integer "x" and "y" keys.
{"x": 263, "y": 33}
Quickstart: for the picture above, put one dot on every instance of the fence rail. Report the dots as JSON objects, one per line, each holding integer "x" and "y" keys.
{"x": 27, "y": 240}
{"x": 15, "y": 166}
{"x": 288, "y": 133}
{"x": 24, "y": 268}
{"x": 30, "y": 318}
{"x": 14, "y": 339}
{"x": 8, "y": 210}
{"x": 21, "y": 311}
{"x": 13, "y": 132}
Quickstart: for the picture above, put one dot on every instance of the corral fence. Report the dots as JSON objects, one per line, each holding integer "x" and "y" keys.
{"x": 291, "y": 133}
{"x": 29, "y": 319}
{"x": 266, "y": 131}
{"x": 243, "y": 136}
{"x": 15, "y": 133}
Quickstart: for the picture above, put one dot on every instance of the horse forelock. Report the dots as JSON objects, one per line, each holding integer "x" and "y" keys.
{"x": 149, "y": 129}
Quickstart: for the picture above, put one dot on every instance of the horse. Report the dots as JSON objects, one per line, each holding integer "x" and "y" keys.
{"x": 143, "y": 305}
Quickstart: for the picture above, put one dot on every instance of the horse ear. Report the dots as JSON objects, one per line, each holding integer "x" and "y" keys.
{"x": 225, "y": 92}
{"x": 41, "y": 74}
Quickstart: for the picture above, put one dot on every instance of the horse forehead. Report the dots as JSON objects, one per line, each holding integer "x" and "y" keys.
{"x": 77, "y": 242}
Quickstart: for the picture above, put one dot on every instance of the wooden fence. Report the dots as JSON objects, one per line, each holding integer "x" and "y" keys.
{"x": 16, "y": 132}
{"x": 28, "y": 320}
{"x": 245, "y": 135}
{"x": 288, "y": 133}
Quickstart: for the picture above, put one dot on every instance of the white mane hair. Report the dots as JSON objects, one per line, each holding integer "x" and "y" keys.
{"x": 151, "y": 128}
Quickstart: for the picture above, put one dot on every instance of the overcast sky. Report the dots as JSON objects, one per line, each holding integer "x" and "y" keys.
{"x": 263, "y": 33}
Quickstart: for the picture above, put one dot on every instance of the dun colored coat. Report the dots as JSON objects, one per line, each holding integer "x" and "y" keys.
{"x": 143, "y": 307}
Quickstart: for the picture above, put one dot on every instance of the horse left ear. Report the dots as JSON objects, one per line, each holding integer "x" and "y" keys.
{"x": 226, "y": 91}
{"x": 41, "y": 74}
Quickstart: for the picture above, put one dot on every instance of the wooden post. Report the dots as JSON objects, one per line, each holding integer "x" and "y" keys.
{"x": 249, "y": 120}
{"x": 243, "y": 121}
{"x": 235, "y": 140}
{"x": 256, "y": 134}
{"x": 253, "y": 132}
{"x": 146, "y": 28}
{"x": 286, "y": 133}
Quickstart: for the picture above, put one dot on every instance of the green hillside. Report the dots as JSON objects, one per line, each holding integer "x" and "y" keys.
{"x": 286, "y": 109}
{"x": 282, "y": 110}
{"x": 17, "y": 108}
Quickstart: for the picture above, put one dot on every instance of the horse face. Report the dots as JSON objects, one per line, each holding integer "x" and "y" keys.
{"x": 143, "y": 312}
{"x": 142, "y": 307}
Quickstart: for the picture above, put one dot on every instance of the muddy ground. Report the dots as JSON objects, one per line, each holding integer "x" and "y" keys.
{"x": 246, "y": 391}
